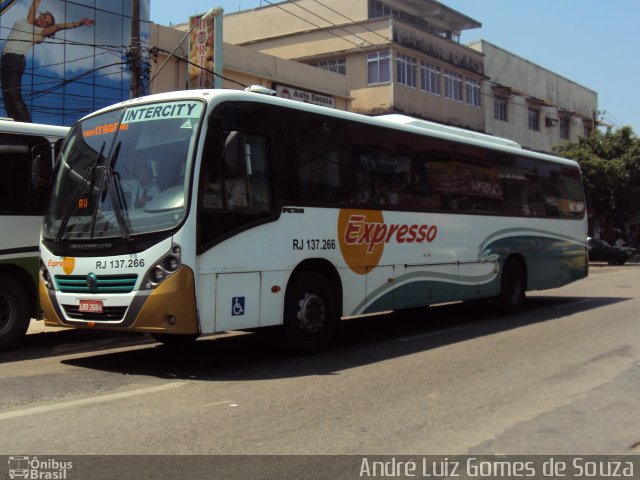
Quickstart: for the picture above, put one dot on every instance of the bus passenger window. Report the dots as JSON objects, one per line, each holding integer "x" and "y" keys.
{"x": 245, "y": 180}
{"x": 235, "y": 173}
{"x": 256, "y": 161}
{"x": 25, "y": 172}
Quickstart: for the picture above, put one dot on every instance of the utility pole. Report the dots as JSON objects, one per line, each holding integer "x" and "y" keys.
{"x": 218, "y": 64}
{"x": 135, "y": 89}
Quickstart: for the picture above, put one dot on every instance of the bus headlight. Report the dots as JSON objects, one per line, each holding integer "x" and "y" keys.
{"x": 157, "y": 274}
{"x": 164, "y": 268}
{"x": 171, "y": 263}
{"x": 45, "y": 276}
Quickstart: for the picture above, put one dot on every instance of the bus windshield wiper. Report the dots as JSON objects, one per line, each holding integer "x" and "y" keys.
{"x": 76, "y": 196}
{"x": 111, "y": 182}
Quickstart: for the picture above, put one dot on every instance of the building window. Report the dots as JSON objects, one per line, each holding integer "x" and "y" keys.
{"x": 378, "y": 68}
{"x": 406, "y": 70}
{"x": 453, "y": 86}
{"x": 430, "y": 81}
{"x": 500, "y": 109}
{"x": 564, "y": 128}
{"x": 534, "y": 119}
{"x": 473, "y": 92}
{"x": 378, "y": 9}
{"x": 338, "y": 65}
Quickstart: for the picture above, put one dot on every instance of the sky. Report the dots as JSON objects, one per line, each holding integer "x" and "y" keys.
{"x": 594, "y": 43}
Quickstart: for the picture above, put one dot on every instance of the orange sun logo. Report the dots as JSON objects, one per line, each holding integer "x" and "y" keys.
{"x": 360, "y": 247}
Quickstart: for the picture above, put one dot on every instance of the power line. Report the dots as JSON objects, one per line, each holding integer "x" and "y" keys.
{"x": 71, "y": 80}
{"x": 188, "y": 62}
{"x": 611, "y": 118}
{"x": 59, "y": 84}
{"x": 311, "y": 23}
{"x": 351, "y": 20}
{"x": 66, "y": 62}
{"x": 331, "y": 23}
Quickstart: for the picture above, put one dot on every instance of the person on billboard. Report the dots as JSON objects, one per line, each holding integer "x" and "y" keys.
{"x": 25, "y": 34}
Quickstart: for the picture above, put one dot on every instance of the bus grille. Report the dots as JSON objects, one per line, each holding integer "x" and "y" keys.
{"x": 103, "y": 284}
{"x": 109, "y": 314}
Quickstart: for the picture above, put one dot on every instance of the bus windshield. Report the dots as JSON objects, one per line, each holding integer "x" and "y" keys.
{"x": 124, "y": 172}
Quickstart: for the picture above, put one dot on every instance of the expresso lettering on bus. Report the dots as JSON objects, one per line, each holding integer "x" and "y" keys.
{"x": 359, "y": 232}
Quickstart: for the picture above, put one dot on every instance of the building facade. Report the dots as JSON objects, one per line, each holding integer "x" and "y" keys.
{"x": 394, "y": 56}
{"x": 401, "y": 56}
{"x": 244, "y": 67}
{"x": 532, "y": 105}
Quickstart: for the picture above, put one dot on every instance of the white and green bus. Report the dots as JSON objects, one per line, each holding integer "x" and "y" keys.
{"x": 266, "y": 211}
{"x": 27, "y": 154}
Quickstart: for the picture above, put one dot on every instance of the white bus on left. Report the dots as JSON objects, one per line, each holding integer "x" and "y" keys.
{"x": 27, "y": 155}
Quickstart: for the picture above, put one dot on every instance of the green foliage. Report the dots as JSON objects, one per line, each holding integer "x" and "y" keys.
{"x": 610, "y": 163}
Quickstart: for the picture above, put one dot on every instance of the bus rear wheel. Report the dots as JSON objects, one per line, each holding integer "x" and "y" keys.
{"x": 513, "y": 287}
{"x": 14, "y": 312}
{"x": 310, "y": 313}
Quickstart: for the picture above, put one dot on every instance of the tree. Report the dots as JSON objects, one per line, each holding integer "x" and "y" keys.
{"x": 610, "y": 163}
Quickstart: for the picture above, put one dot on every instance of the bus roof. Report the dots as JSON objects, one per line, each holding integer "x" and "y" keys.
{"x": 10, "y": 126}
{"x": 438, "y": 127}
{"x": 395, "y": 121}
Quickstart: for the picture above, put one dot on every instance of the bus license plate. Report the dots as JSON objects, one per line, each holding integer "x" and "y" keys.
{"x": 90, "y": 306}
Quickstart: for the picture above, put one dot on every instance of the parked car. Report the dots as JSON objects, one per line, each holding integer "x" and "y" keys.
{"x": 599, "y": 249}
{"x": 630, "y": 251}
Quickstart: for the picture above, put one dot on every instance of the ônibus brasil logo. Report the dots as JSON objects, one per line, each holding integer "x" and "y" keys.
{"x": 363, "y": 234}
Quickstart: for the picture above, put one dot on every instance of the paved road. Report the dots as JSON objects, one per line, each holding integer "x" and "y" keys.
{"x": 562, "y": 377}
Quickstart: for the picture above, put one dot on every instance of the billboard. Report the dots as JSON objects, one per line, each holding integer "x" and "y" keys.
{"x": 200, "y": 52}
{"x": 64, "y": 59}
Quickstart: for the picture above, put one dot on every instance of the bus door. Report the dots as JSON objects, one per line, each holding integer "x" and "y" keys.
{"x": 235, "y": 197}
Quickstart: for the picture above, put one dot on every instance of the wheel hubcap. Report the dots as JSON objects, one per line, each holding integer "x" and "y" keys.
{"x": 311, "y": 313}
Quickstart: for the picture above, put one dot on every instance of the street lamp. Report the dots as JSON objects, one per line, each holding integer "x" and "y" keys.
{"x": 215, "y": 12}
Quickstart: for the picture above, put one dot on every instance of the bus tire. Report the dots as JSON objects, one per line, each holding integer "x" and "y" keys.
{"x": 14, "y": 312}
{"x": 175, "y": 340}
{"x": 310, "y": 313}
{"x": 513, "y": 286}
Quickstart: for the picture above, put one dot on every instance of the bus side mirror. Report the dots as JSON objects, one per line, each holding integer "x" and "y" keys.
{"x": 40, "y": 172}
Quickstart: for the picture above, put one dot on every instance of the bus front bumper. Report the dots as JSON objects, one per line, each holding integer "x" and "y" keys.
{"x": 169, "y": 308}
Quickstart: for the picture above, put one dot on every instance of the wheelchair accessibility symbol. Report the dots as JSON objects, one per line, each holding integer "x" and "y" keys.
{"x": 237, "y": 306}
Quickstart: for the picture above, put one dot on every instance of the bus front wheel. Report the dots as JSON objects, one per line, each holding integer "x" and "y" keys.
{"x": 513, "y": 286}
{"x": 311, "y": 314}
{"x": 14, "y": 312}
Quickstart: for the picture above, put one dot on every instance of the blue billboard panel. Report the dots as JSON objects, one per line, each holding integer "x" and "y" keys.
{"x": 64, "y": 59}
